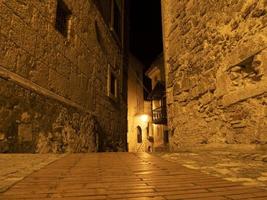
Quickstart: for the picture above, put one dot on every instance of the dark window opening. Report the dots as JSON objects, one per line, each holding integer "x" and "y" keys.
{"x": 62, "y": 18}
{"x": 117, "y": 18}
{"x": 113, "y": 84}
{"x": 111, "y": 11}
{"x": 139, "y": 134}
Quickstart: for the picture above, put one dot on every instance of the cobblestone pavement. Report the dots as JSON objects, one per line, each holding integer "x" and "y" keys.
{"x": 14, "y": 167}
{"x": 249, "y": 168}
{"x": 125, "y": 176}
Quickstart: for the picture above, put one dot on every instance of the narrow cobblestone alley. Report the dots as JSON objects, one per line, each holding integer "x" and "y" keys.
{"x": 136, "y": 176}
{"x": 133, "y": 99}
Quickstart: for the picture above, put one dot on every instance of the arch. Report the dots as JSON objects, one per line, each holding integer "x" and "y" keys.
{"x": 139, "y": 134}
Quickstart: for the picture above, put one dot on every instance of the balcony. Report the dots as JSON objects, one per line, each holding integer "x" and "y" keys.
{"x": 159, "y": 115}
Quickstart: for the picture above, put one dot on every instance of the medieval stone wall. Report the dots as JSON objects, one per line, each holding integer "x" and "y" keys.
{"x": 53, "y": 89}
{"x": 216, "y": 71}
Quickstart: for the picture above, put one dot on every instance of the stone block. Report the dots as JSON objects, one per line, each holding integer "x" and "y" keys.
{"x": 25, "y": 63}
{"x": 198, "y": 90}
{"x": 222, "y": 85}
{"x": 5, "y": 26}
{"x": 63, "y": 65}
{"x": 245, "y": 93}
{"x": 25, "y": 132}
{"x": 177, "y": 89}
{"x": 10, "y": 54}
{"x": 17, "y": 34}
{"x": 206, "y": 98}
{"x": 21, "y": 8}
{"x": 186, "y": 84}
{"x": 169, "y": 96}
{"x": 39, "y": 74}
{"x": 183, "y": 97}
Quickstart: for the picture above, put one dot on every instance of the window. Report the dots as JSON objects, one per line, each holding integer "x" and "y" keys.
{"x": 116, "y": 25}
{"x": 111, "y": 11}
{"x": 112, "y": 84}
{"x": 139, "y": 134}
{"x": 62, "y": 18}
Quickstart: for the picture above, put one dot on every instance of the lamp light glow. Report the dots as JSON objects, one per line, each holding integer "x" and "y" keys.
{"x": 144, "y": 118}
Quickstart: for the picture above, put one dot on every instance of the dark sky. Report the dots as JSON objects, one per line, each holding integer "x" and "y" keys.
{"x": 145, "y": 30}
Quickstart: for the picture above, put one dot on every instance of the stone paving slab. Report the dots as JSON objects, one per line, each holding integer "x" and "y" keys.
{"x": 248, "y": 167}
{"x": 14, "y": 167}
{"x": 133, "y": 176}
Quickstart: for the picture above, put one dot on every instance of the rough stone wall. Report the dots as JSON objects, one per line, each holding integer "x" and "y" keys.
{"x": 73, "y": 72}
{"x": 216, "y": 71}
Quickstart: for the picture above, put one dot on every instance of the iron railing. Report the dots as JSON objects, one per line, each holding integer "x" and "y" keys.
{"x": 159, "y": 115}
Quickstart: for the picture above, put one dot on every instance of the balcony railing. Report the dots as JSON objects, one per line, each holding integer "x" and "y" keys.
{"x": 159, "y": 115}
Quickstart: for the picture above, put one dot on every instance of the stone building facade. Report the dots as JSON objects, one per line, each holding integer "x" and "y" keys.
{"x": 216, "y": 71}
{"x": 62, "y": 77}
{"x": 159, "y": 128}
{"x": 139, "y": 113}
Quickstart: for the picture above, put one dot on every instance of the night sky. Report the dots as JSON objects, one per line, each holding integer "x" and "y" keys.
{"x": 145, "y": 31}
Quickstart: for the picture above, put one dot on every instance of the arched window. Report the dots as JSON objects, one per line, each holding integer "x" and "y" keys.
{"x": 139, "y": 134}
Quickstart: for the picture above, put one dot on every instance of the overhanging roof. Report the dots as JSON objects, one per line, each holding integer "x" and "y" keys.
{"x": 158, "y": 91}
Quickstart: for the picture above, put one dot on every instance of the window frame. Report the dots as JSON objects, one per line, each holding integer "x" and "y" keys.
{"x": 118, "y": 36}
{"x": 109, "y": 18}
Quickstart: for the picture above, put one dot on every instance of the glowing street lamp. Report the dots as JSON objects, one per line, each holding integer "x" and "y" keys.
{"x": 144, "y": 118}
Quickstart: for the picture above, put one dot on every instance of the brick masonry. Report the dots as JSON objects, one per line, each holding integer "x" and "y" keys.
{"x": 216, "y": 71}
{"x": 66, "y": 108}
